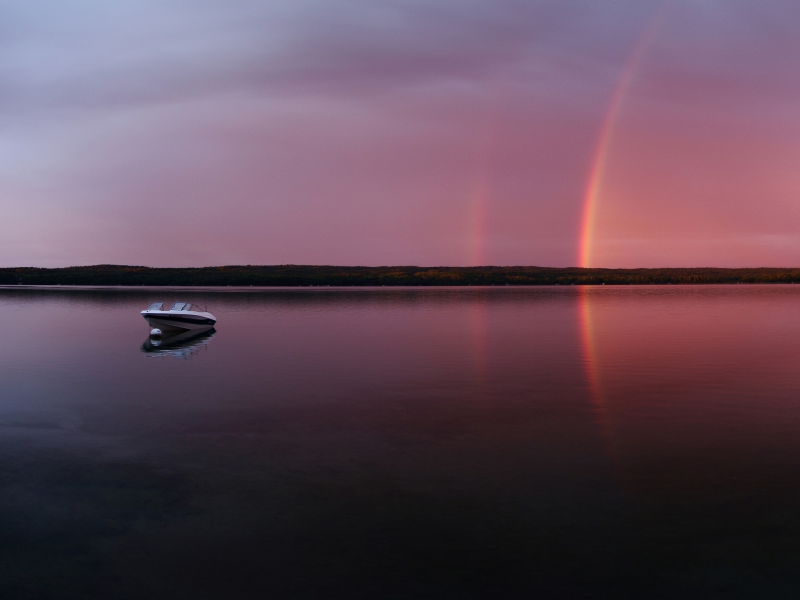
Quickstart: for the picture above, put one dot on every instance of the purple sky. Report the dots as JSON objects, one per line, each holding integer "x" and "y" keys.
{"x": 379, "y": 132}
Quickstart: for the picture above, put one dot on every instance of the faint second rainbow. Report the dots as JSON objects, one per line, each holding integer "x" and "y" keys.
{"x": 600, "y": 155}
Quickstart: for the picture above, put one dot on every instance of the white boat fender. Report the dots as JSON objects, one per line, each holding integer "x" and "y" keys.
{"x": 155, "y": 332}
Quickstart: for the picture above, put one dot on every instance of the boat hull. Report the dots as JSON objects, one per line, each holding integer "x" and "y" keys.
{"x": 178, "y": 322}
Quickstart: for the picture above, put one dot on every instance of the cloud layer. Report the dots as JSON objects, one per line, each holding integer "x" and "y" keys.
{"x": 351, "y": 132}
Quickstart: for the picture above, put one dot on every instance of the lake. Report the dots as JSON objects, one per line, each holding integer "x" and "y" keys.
{"x": 550, "y": 442}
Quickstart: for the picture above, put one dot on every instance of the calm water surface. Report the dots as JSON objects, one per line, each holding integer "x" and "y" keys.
{"x": 634, "y": 442}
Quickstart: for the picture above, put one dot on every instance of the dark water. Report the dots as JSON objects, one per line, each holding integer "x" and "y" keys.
{"x": 403, "y": 443}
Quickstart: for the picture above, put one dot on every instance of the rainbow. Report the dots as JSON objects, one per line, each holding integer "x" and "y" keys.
{"x": 480, "y": 197}
{"x": 481, "y": 193}
{"x": 600, "y": 156}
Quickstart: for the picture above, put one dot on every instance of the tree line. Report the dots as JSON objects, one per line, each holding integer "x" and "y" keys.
{"x": 305, "y": 275}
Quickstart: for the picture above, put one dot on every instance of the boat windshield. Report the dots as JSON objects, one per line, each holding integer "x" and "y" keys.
{"x": 187, "y": 306}
{"x": 156, "y": 306}
{"x": 178, "y": 306}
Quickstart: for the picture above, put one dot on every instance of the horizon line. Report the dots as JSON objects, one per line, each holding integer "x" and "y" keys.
{"x": 405, "y": 266}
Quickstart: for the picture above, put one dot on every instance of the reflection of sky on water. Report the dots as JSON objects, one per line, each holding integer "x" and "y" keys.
{"x": 396, "y": 443}
{"x": 695, "y": 391}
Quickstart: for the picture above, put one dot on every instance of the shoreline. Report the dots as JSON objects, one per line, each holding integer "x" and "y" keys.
{"x": 297, "y": 276}
{"x": 370, "y": 288}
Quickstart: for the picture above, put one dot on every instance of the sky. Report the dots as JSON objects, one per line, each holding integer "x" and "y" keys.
{"x": 627, "y": 133}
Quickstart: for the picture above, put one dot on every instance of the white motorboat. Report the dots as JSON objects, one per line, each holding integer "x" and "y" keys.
{"x": 181, "y": 317}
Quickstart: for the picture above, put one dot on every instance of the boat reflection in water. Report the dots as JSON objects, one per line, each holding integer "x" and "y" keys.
{"x": 179, "y": 345}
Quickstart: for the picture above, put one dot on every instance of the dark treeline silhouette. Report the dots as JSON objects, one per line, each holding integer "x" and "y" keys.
{"x": 299, "y": 275}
